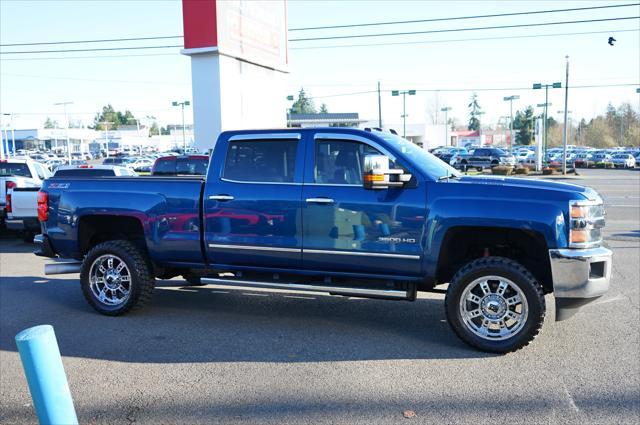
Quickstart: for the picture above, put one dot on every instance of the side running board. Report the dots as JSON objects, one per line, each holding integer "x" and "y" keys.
{"x": 391, "y": 294}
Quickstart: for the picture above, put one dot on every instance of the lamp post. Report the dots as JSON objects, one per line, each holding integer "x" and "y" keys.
{"x": 1, "y": 141}
{"x": 446, "y": 109}
{"x": 13, "y": 136}
{"x": 404, "y": 94}
{"x": 106, "y": 134}
{"x": 66, "y": 120}
{"x": 289, "y": 110}
{"x": 538, "y": 86}
{"x": 504, "y": 119}
{"x": 479, "y": 114}
{"x": 511, "y": 99}
{"x": 569, "y": 122}
{"x": 184, "y": 137}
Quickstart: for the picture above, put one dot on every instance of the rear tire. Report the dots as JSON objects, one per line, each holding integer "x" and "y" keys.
{"x": 496, "y": 305}
{"x": 116, "y": 277}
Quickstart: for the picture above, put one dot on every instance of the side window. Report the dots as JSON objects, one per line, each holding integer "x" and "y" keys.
{"x": 340, "y": 161}
{"x": 40, "y": 171}
{"x": 261, "y": 161}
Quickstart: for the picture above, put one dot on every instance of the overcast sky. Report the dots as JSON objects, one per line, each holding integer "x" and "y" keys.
{"x": 146, "y": 81}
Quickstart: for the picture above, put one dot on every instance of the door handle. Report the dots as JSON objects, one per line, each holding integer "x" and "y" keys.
{"x": 320, "y": 200}
{"x": 221, "y": 198}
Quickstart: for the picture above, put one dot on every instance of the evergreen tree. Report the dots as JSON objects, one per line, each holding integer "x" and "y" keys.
{"x": 474, "y": 112}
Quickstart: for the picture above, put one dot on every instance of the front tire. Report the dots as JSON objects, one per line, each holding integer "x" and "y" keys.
{"x": 115, "y": 277}
{"x": 496, "y": 305}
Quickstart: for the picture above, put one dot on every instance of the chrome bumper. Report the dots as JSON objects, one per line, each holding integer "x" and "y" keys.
{"x": 579, "y": 277}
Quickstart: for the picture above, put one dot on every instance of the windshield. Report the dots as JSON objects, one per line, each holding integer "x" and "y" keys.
{"x": 14, "y": 169}
{"x": 426, "y": 162}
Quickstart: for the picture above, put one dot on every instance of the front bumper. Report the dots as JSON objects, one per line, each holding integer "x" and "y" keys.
{"x": 579, "y": 277}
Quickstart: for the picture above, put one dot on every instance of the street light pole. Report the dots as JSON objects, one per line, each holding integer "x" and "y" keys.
{"x": 511, "y": 99}
{"x": 184, "y": 138}
{"x": 106, "y": 134}
{"x": 66, "y": 119}
{"x": 1, "y": 140}
{"x": 404, "y": 107}
{"x": 564, "y": 136}
{"x": 446, "y": 109}
{"x": 546, "y": 103}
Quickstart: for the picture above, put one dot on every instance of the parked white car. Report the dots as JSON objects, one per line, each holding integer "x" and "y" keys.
{"x": 623, "y": 160}
{"x": 19, "y": 173}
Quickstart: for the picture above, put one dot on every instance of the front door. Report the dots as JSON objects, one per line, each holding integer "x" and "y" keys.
{"x": 253, "y": 206}
{"x": 351, "y": 229}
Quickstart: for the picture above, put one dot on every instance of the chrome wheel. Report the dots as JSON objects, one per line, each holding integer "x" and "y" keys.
{"x": 110, "y": 280}
{"x": 493, "y": 308}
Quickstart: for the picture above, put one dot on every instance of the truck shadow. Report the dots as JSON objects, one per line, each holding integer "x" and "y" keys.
{"x": 212, "y": 324}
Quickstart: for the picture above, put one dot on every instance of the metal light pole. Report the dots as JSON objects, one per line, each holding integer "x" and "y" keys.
{"x": 446, "y": 109}
{"x": 6, "y": 136}
{"x": 106, "y": 134}
{"x": 379, "y": 107}
{"x": 184, "y": 138}
{"x": 404, "y": 93}
{"x": 511, "y": 99}
{"x": 546, "y": 103}
{"x": 1, "y": 142}
{"x": 66, "y": 119}
{"x": 503, "y": 119}
{"x": 564, "y": 136}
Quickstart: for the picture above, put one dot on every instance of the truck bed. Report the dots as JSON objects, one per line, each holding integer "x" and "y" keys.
{"x": 167, "y": 208}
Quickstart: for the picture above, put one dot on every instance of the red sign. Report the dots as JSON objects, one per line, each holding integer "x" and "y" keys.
{"x": 200, "y": 23}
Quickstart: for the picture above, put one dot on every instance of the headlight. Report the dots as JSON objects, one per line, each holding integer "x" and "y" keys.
{"x": 586, "y": 223}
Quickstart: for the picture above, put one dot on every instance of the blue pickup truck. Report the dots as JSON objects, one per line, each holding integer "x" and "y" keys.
{"x": 343, "y": 211}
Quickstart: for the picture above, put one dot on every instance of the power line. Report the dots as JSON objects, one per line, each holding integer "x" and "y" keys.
{"x": 89, "y": 57}
{"x": 47, "y": 77}
{"x": 87, "y": 50}
{"x": 480, "y": 89}
{"x": 105, "y": 40}
{"x": 508, "y": 37}
{"x": 334, "y": 37}
{"x": 166, "y": 37}
{"x": 612, "y": 31}
{"x": 540, "y": 24}
{"x": 418, "y": 21}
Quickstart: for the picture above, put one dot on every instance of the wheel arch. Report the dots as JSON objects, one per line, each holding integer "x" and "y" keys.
{"x": 95, "y": 229}
{"x": 463, "y": 244}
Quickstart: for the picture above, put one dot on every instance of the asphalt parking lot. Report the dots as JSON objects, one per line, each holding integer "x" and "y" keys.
{"x": 219, "y": 355}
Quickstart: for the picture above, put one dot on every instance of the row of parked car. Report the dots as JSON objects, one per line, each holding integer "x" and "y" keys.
{"x": 484, "y": 157}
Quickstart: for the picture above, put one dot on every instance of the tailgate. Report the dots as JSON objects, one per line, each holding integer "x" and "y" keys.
{"x": 24, "y": 202}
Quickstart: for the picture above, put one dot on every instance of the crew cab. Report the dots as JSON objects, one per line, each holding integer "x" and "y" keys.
{"x": 343, "y": 211}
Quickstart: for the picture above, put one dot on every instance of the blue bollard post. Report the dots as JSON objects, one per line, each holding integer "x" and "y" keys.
{"x": 47, "y": 381}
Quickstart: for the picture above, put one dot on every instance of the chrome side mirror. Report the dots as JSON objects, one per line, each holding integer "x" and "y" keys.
{"x": 378, "y": 175}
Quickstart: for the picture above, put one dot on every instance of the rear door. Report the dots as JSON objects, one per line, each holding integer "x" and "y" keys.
{"x": 252, "y": 202}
